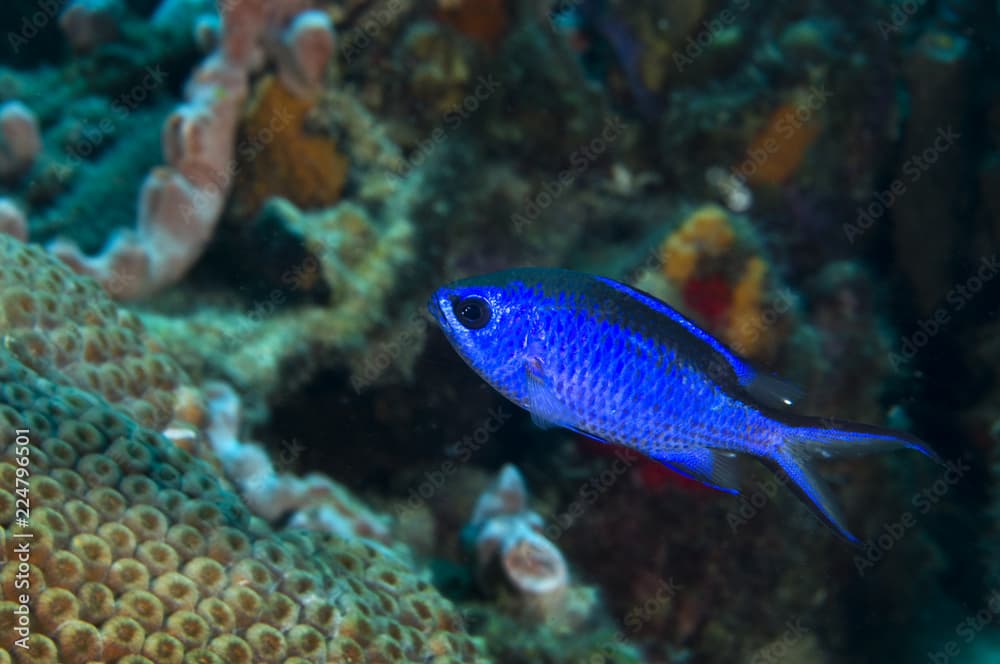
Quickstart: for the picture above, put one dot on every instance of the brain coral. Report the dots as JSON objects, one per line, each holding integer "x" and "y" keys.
{"x": 139, "y": 554}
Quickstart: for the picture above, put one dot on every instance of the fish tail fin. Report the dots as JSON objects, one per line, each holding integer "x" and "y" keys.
{"x": 832, "y": 439}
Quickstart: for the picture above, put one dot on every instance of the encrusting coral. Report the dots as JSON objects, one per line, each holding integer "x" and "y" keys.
{"x": 139, "y": 554}
{"x": 355, "y": 257}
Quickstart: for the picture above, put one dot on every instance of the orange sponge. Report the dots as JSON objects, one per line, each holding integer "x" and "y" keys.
{"x": 276, "y": 155}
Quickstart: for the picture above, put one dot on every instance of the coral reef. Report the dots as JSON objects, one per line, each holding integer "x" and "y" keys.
{"x": 93, "y": 179}
{"x": 68, "y": 330}
{"x": 277, "y": 186}
{"x": 139, "y": 554}
{"x": 180, "y": 204}
{"x": 352, "y": 261}
{"x": 511, "y": 643}
{"x": 305, "y": 50}
{"x": 329, "y": 282}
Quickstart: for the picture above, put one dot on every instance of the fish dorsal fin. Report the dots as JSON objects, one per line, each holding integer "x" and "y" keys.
{"x": 768, "y": 390}
{"x": 773, "y": 391}
{"x": 744, "y": 372}
{"x": 716, "y": 468}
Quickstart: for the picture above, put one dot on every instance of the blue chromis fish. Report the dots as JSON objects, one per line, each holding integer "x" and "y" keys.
{"x": 608, "y": 361}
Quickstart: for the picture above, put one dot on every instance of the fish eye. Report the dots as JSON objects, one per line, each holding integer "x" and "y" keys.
{"x": 473, "y": 312}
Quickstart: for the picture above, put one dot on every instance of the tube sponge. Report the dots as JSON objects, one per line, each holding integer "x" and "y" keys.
{"x": 20, "y": 140}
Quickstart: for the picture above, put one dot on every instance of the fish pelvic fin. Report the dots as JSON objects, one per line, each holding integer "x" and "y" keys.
{"x": 831, "y": 439}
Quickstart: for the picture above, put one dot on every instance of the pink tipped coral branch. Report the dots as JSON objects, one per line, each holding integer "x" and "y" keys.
{"x": 20, "y": 140}
{"x": 90, "y": 23}
{"x": 314, "y": 502}
{"x": 12, "y": 221}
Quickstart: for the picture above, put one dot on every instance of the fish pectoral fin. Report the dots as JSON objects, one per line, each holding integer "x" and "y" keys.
{"x": 543, "y": 404}
{"x": 715, "y": 468}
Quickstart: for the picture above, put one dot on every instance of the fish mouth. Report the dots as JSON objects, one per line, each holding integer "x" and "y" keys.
{"x": 436, "y": 305}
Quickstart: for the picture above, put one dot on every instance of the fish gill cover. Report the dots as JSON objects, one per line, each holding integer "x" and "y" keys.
{"x": 232, "y": 432}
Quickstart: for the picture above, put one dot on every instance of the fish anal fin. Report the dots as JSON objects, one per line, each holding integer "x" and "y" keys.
{"x": 718, "y": 469}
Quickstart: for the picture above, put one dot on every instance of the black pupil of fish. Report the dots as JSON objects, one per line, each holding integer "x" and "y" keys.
{"x": 472, "y": 312}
